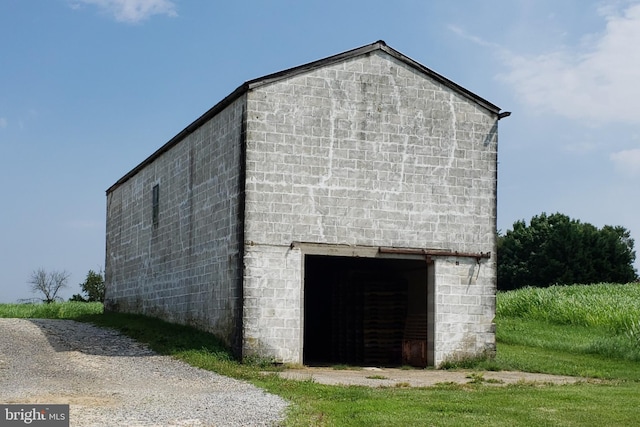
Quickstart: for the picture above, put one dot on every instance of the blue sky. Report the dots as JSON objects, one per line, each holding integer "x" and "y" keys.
{"x": 90, "y": 88}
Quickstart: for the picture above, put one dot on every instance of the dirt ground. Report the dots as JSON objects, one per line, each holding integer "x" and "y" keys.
{"x": 392, "y": 377}
{"x": 110, "y": 380}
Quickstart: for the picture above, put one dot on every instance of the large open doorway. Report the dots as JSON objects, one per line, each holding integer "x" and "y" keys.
{"x": 365, "y": 311}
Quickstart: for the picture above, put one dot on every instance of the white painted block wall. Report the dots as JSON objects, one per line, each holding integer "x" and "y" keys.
{"x": 368, "y": 152}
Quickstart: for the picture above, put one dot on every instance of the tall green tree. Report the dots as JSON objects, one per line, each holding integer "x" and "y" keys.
{"x": 555, "y": 249}
{"x": 93, "y": 288}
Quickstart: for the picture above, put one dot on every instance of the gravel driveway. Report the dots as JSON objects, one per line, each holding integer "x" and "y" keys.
{"x": 111, "y": 380}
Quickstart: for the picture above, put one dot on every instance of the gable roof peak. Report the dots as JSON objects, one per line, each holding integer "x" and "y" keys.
{"x": 271, "y": 78}
{"x": 363, "y": 50}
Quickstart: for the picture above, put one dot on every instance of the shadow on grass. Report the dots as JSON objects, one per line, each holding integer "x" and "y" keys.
{"x": 64, "y": 335}
{"x": 162, "y": 337}
{"x": 197, "y": 348}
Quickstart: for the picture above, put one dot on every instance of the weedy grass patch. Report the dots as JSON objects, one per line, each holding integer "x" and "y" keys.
{"x": 613, "y": 307}
{"x": 579, "y": 330}
{"x": 55, "y": 310}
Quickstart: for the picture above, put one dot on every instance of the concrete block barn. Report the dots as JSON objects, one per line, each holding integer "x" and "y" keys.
{"x": 342, "y": 211}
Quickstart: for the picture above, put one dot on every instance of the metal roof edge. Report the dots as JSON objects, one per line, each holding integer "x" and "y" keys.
{"x": 379, "y": 45}
{"x": 441, "y": 79}
{"x": 251, "y": 84}
{"x": 310, "y": 66}
{"x": 271, "y": 78}
{"x": 182, "y": 134}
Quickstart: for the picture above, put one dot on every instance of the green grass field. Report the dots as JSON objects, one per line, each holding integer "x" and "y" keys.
{"x": 590, "y": 331}
{"x": 64, "y": 310}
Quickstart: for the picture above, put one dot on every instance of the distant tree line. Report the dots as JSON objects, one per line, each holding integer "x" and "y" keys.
{"x": 49, "y": 283}
{"x": 555, "y": 249}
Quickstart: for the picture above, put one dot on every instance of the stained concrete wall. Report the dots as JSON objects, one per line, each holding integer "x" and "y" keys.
{"x": 368, "y": 152}
{"x": 464, "y": 309}
{"x": 187, "y": 269}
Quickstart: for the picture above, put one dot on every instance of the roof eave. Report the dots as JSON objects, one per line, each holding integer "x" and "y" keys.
{"x": 379, "y": 45}
{"x": 291, "y": 72}
{"x": 441, "y": 79}
{"x": 183, "y": 134}
{"x": 271, "y": 78}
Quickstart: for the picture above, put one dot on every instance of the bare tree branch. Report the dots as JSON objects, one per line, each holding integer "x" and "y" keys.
{"x": 48, "y": 284}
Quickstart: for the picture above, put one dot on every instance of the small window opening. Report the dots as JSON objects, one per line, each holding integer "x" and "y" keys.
{"x": 156, "y": 204}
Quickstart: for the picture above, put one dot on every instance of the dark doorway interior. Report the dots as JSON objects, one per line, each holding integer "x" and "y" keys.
{"x": 365, "y": 311}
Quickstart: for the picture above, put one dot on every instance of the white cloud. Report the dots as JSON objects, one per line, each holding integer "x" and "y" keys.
{"x": 132, "y": 11}
{"x": 3, "y": 123}
{"x": 627, "y": 161}
{"x": 595, "y": 82}
{"x": 477, "y": 40}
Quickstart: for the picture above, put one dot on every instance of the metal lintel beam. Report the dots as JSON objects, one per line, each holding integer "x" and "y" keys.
{"x": 434, "y": 252}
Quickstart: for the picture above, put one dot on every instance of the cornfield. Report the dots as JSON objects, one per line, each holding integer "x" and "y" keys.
{"x": 611, "y": 306}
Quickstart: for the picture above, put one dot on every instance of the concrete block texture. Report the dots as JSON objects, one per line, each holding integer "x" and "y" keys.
{"x": 465, "y": 309}
{"x": 383, "y": 156}
{"x": 187, "y": 266}
{"x": 370, "y": 152}
{"x": 273, "y": 314}
{"x": 365, "y": 151}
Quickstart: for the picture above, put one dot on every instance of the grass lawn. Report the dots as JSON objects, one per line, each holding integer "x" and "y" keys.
{"x": 604, "y": 350}
{"x": 66, "y": 310}
{"x": 615, "y": 401}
